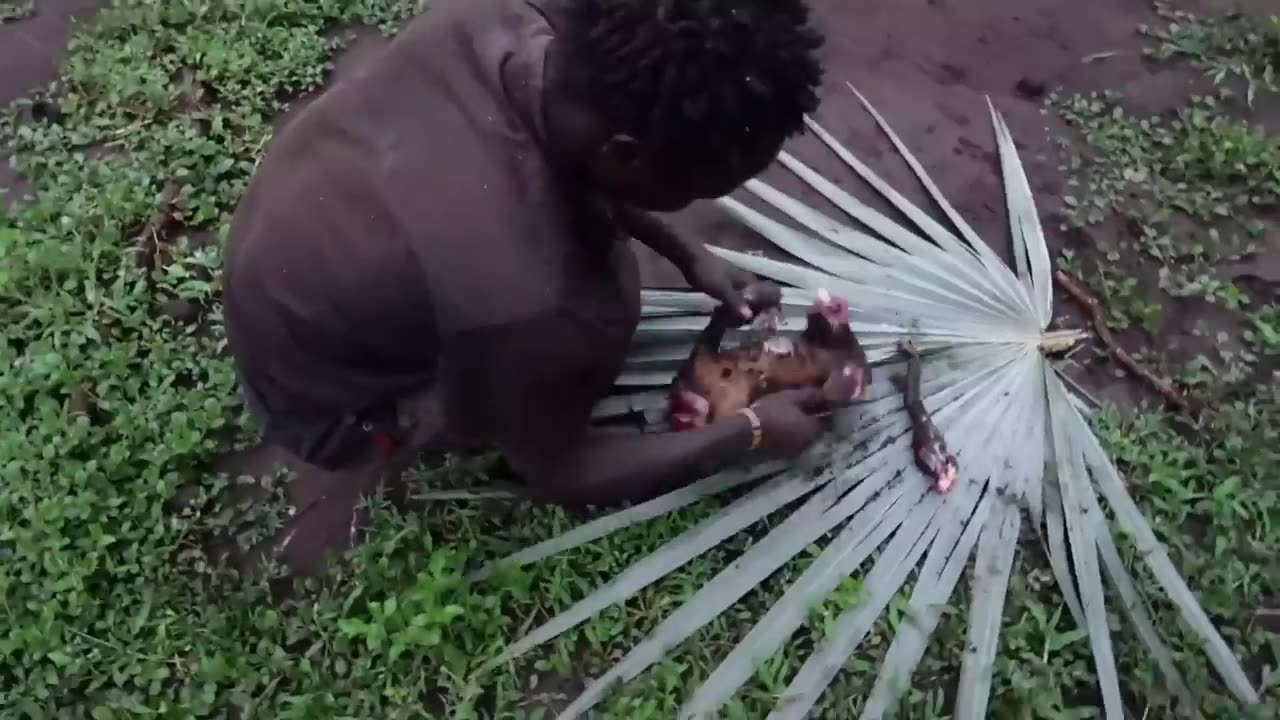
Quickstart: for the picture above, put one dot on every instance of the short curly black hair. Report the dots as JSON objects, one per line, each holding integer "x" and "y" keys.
{"x": 724, "y": 82}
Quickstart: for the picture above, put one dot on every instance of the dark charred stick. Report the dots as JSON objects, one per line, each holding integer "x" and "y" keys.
{"x": 1098, "y": 319}
{"x": 152, "y": 240}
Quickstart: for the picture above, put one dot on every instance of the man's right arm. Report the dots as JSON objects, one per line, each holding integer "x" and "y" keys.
{"x": 531, "y": 388}
{"x": 607, "y": 468}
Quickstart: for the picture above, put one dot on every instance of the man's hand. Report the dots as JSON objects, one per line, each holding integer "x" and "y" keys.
{"x": 704, "y": 272}
{"x": 724, "y": 282}
{"x": 788, "y": 424}
{"x": 731, "y": 286}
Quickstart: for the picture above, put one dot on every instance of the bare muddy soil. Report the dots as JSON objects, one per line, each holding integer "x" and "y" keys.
{"x": 929, "y": 67}
{"x": 31, "y": 54}
{"x": 32, "y": 48}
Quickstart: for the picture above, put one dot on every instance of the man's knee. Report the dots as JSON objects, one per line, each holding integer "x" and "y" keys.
{"x": 420, "y": 416}
{"x": 252, "y": 401}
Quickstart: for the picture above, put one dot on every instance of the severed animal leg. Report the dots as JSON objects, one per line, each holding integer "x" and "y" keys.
{"x": 927, "y": 443}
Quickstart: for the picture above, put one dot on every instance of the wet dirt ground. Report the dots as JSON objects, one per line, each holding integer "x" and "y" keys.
{"x": 31, "y": 53}
{"x": 927, "y": 65}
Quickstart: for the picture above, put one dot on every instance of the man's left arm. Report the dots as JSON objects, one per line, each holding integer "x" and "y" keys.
{"x": 703, "y": 271}
{"x": 660, "y": 238}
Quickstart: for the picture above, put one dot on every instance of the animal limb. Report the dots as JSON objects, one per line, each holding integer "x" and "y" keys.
{"x": 927, "y": 443}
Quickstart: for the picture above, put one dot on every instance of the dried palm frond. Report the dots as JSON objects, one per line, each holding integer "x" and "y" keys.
{"x": 1021, "y": 436}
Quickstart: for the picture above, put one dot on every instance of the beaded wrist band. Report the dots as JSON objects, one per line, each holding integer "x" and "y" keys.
{"x": 757, "y": 433}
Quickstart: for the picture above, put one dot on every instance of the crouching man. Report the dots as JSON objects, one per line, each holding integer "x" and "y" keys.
{"x": 432, "y": 255}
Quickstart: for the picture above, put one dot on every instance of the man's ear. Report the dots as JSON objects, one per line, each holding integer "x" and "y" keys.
{"x": 622, "y": 151}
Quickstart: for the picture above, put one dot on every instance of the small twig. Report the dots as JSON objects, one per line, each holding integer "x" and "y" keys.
{"x": 1080, "y": 388}
{"x": 1082, "y": 296}
{"x": 1095, "y": 57}
{"x": 91, "y": 638}
{"x": 1265, "y": 615}
{"x": 496, "y": 492}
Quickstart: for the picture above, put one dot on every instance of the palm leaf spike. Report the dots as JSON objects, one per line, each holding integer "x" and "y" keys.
{"x": 800, "y": 529}
{"x": 1031, "y": 253}
{"x": 840, "y": 558}
{"x": 887, "y": 575}
{"x": 1054, "y": 539}
{"x": 774, "y": 494}
{"x": 894, "y": 285}
{"x": 1019, "y": 431}
{"x": 1137, "y": 612}
{"x": 998, "y": 275}
{"x": 853, "y": 625}
{"x": 946, "y": 268}
{"x": 729, "y": 520}
{"x": 1082, "y": 524}
{"x": 990, "y": 583}
{"x": 1131, "y": 520}
{"x": 998, "y": 528}
{"x": 656, "y": 507}
{"x": 862, "y": 534}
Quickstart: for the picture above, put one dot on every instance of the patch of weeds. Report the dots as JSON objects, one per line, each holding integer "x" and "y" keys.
{"x": 1159, "y": 175}
{"x": 1043, "y": 665}
{"x": 1125, "y": 302}
{"x": 1264, "y": 334}
{"x": 1231, "y": 45}
{"x": 111, "y": 608}
{"x": 846, "y": 595}
{"x": 1200, "y": 163}
{"x": 1157, "y": 204}
{"x": 1211, "y": 498}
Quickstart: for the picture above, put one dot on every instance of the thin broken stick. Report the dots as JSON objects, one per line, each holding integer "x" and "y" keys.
{"x": 1098, "y": 318}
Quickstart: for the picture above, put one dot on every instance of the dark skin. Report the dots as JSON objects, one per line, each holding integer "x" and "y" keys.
{"x": 715, "y": 383}
{"x": 617, "y": 166}
{"x": 602, "y": 469}
{"x": 927, "y": 443}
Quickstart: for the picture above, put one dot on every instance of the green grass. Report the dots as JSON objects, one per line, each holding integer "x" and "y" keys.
{"x": 1164, "y": 204}
{"x": 1236, "y": 45}
{"x": 110, "y": 609}
{"x": 1190, "y": 188}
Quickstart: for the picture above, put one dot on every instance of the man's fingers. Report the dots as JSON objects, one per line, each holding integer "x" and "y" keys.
{"x": 762, "y": 295}
{"x": 816, "y": 426}
{"x": 739, "y": 277}
{"x": 823, "y": 419}
{"x": 748, "y": 301}
{"x": 810, "y": 400}
{"x": 732, "y": 296}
